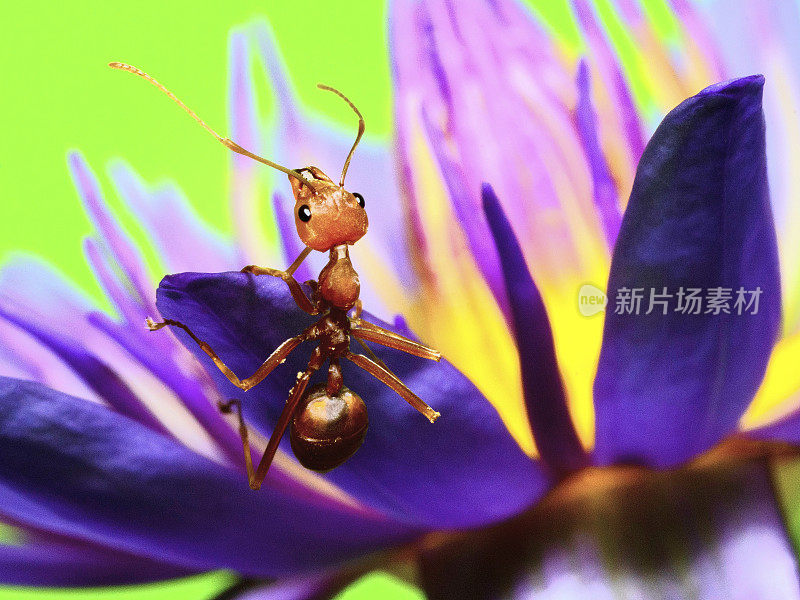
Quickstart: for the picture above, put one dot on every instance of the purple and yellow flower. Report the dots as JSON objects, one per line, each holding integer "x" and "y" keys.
{"x": 567, "y": 460}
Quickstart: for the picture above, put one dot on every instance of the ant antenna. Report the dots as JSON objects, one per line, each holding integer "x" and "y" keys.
{"x": 322, "y": 86}
{"x": 225, "y": 141}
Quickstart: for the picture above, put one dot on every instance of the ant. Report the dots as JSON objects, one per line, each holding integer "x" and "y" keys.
{"x": 328, "y": 421}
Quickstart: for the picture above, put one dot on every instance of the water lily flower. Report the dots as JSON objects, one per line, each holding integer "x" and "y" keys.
{"x": 117, "y": 466}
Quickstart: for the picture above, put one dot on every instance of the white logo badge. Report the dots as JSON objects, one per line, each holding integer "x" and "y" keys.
{"x": 591, "y": 300}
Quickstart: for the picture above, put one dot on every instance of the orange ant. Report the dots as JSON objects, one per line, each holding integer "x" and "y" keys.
{"x": 328, "y": 421}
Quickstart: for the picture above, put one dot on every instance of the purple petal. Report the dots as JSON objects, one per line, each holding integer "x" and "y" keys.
{"x": 125, "y": 253}
{"x": 96, "y": 374}
{"x": 79, "y": 470}
{"x": 246, "y": 175}
{"x": 610, "y": 71}
{"x": 555, "y": 436}
{"x": 476, "y": 229}
{"x": 603, "y": 188}
{"x": 671, "y": 385}
{"x": 23, "y": 357}
{"x": 35, "y": 292}
{"x": 34, "y": 288}
{"x": 404, "y": 22}
{"x": 165, "y": 359}
{"x": 162, "y": 356}
{"x": 123, "y": 277}
{"x": 80, "y": 351}
{"x": 463, "y": 470}
{"x": 448, "y": 66}
{"x": 785, "y": 429}
{"x": 172, "y": 221}
{"x": 71, "y": 564}
{"x": 194, "y": 392}
{"x": 762, "y": 37}
{"x": 183, "y": 240}
{"x": 116, "y": 291}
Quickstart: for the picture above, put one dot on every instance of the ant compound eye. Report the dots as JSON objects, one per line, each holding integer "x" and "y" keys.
{"x": 359, "y": 199}
{"x": 304, "y": 213}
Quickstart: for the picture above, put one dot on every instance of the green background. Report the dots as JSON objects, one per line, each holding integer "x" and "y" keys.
{"x": 58, "y": 94}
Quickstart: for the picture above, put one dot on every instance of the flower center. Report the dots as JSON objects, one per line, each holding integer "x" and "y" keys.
{"x": 711, "y": 526}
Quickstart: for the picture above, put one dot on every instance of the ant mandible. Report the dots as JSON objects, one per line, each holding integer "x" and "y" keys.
{"x": 328, "y": 421}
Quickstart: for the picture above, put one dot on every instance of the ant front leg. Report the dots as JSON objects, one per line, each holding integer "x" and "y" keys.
{"x": 297, "y": 292}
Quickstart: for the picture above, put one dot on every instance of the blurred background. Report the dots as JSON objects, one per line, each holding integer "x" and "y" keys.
{"x": 60, "y": 95}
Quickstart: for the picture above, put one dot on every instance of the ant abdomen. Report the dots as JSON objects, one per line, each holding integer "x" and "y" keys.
{"x": 327, "y": 430}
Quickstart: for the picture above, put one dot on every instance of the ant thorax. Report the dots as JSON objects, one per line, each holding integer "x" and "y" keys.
{"x": 333, "y": 333}
{"x": 338, "y": 282}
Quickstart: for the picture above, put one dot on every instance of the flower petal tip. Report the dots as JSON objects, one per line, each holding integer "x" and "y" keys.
{"x": 583, "y": 69}
{"x": 748, "y": 89}
{"x": 740, "y": 86}
{"x": 76, "y": 163}
{"x": 73, "y": 156}
{"x": 489, "y": 197}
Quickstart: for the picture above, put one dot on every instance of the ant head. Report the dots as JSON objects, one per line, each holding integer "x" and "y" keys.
{"x": 326, "y": 215}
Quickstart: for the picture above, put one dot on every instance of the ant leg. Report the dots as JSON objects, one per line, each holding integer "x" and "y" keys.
{"x": 379, "y": 335}
{"x": 317, "y": 358}
{"x": 226, "y": 407}
{"x": 276, "y": 358}
{"x": 297, "y": 292}
{"x": 335, "y": 378}
{"x": 390, "y": 379}
{"x": 373, "y": 356}
{"x": 153, "y": 326}
{"x": 357, "y": 308}
{"x": 299, "y": 296}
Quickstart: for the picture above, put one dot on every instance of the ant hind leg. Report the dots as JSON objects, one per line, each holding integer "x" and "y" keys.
{"x": 295, "y": 395}
{"x": 227, "y": 408}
